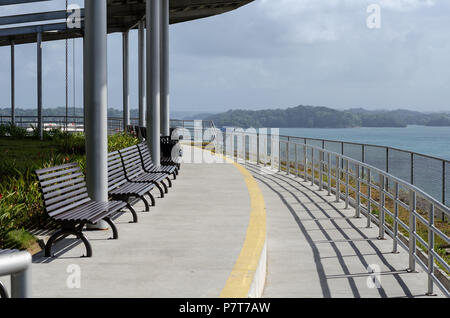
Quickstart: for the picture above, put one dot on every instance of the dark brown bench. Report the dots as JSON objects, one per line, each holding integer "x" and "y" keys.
{"x": 119, "y": 188}
{"x": 147, "y": 162}
{"x": 67, "y": 202}
{"x": 134, "y": 172}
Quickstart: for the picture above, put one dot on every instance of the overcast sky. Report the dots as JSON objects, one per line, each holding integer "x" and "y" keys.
{"x": 273, "y": 54}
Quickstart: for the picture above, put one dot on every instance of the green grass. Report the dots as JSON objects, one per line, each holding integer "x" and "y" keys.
{"x": 20, "y": 199}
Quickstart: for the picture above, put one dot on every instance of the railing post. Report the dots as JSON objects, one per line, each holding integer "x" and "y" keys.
{"x": 313, "y": 177}
{"x": 443, "y": 188}
{"x": 358, "y": 191}
{"x": 296, "y": 160}
{"x": 395, "y": 244}
{"x": 381, "y": 216}
{"x": 338, "y": 179}
{"x": 279, "y": 156}
{"x": 320, "y": 170}
{"x": 412, "y": 231}
{"x": 305, "y": 163}
{"x": 329, "y": 174}
{"x": 347, "y": 180}
{"x": 430, "y": 249}
{"x": 369, "y": 198}
{"x": 288, "y": 162}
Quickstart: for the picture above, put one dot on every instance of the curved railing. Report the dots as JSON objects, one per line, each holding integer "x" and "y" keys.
{"x": 402, "y": 210}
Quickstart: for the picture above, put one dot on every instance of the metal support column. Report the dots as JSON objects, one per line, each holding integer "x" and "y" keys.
{"x": 141, "y": 73}
{"x": 165, "y": 88}
{"x": 153, "y": 13}
{"x": 126, "y": 83}
{"x": 39, "y": 85}
{"x": 13, "y": 85}
{"x": 95, "y": 101}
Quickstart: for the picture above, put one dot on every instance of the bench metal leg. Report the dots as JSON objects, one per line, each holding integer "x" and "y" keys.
{"x": 169, "y": 182}
{"x": 3, "y": 292}
{"x": 133, "y": 212}
{"x": 113, "y": 227}
{"x": 166, "y": 189}
{"x": 147, "y": 207}
{"x": 65, "y": 232}
{"x": 161, "y": 191}
{"x": 152, "y": 198}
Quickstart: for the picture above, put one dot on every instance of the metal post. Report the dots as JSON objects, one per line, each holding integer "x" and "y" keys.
{"x": 313, "y": 177}
{"x": 96, "y": 100}
{"x": 381, "y": 210}
{"x": 412, "y": 231}
{"x": 296, "y": 160}
{"x": 165, "y": 92}
{"x": 358, "y": 191}
{"x": 338, "y": 180}
{"x": 347, "y": 179}
{"x": 320, "y": 170}
{"x": 288, "y": 163}
{"x": 257, "y": 148}
{"x": 369, "y": 198}
{"x": 141, "y": 74}
{"x": 412, "y": 168}
{"x": 305, "y": 163}
{"x": 395, "y": 244}
{"x": 329, "y": 173}
{"x": 153, "y": 14}
{"x": 430, "y": 249}
{"x": 443, "y": 188}
{"x": 18, "y": 265}
{"x": 13, "y": 85}
{"x": 126, "y": 84}
{"x": 39, "y": 85}
{"x": 279, "y": 155}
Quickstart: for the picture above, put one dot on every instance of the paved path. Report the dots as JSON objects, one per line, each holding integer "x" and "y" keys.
{"x": 317, "y": 249}
{"x": 186, "y": 246}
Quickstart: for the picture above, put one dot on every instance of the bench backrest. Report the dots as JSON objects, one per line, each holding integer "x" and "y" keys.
{"x": 63, "y": 188}
{"x": 146, "y": 156}
{"x": 116, "y": 172}
{"x": 131, "y": 160}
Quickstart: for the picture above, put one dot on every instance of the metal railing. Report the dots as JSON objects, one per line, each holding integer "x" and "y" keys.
{"x": 428, "y": 173}
{"x": 71, "y": 123}
{"x": 18, "y": 265}
{"x": 373, "y": 192}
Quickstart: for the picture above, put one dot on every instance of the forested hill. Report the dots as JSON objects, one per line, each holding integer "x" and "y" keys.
{"x": 323, "y": 117}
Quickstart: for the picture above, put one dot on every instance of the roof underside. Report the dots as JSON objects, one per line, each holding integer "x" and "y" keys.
{"x": 122, "y": 15}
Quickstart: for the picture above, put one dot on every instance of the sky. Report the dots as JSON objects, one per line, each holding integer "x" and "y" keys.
{"x": 270, "y": 54}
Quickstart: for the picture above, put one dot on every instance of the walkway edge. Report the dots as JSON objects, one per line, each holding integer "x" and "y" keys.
{"x": 248, "y": 276}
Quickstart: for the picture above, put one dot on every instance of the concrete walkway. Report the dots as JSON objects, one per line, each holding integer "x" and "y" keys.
{"x": 186, "y": 246}
{"x": 317, "y": 249}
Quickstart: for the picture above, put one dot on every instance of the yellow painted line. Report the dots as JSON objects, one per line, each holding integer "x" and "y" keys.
{"x": 241, "y": 278}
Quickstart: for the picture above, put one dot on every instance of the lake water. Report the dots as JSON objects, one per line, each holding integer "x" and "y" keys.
{"x": 428, "y": 174}
{"x": 433, "y": 141}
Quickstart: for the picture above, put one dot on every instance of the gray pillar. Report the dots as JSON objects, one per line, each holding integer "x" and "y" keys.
{"x": 13, "y": 85}
{"x": 95, "y": 100}
{"x": 39, "y": 85}
{"x": 165, "y": 91}
{"x": 126, "y": 85}
{"x": 153, "y": 12}
{"x": 141, "y": 73}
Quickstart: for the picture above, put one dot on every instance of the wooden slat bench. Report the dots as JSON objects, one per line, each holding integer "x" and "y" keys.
{"x": 119, "y": 188}
{"x": 147, "y": 162}
{"x": 67, "y": 202}
{"x": 135, "y": 173}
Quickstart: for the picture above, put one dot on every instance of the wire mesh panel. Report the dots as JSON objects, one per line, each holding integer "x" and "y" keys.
{"x": 400, "y": 164}
{"x": 354, "y": 151}
{"x": 375, "y": 156}
{"x": 428, "y": 176}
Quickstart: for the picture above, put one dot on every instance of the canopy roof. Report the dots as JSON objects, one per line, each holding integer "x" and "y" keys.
{"x": 122, "y": 16}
